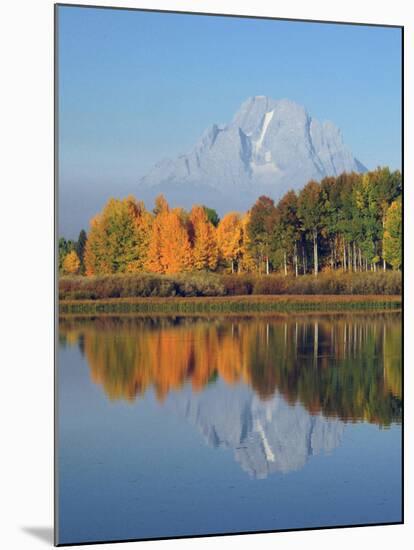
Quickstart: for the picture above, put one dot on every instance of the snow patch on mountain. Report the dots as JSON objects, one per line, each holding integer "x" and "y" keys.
{"x": 267, "y": 118}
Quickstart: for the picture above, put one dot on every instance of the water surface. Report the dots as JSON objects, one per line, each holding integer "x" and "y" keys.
{"x": 175, "y": 426}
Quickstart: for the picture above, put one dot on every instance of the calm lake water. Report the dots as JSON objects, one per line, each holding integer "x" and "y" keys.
{"x": 185, "y": 426}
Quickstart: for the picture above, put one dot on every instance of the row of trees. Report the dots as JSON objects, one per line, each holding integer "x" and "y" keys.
{"x": 351, "y": 222}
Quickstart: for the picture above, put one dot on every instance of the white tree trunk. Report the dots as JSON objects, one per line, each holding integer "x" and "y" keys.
{"x": 296, "y": 260}
{"x": 315, "y": 252}
{"x": 354, "y": 256}
{"x": 344, "y": 256}
{"x": 304, "y": 260}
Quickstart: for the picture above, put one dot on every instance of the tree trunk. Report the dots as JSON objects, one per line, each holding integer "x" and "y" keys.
{"x": 304, "y": 260}
{"x": 315, "y": 252}
{"x": 296, "y": 259}
{"x": 354, "y": 256}
{"x": 232, "y": 266}
{"x": 284, "y": 262}
{"x": 267, "y": 265}
{"x": 344, "y": 256}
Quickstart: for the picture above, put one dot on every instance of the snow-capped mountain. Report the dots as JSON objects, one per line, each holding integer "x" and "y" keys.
{"x": 265, "y": 436}
{"x": 270, "y": 146}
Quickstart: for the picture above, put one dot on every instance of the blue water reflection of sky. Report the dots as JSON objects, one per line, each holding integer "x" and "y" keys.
{"x": 145, "y": 469}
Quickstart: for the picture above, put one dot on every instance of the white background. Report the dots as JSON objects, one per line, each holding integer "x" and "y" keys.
{"x": 26, "y": 270}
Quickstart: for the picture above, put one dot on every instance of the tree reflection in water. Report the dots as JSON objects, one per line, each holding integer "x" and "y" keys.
{"x": 342, "y": 366}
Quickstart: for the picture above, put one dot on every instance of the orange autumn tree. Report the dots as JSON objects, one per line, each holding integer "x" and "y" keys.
{"x": 203, "y": 237}
{"x": 142, "y": 236}
{"x": 169, "y": 247}
{"x": 154, "y": 257}
{"x": 96, "y": 260}
{"x": 175, "y": 244}
{"x": 247, "y": 262}
{"x": 229, "y": 239}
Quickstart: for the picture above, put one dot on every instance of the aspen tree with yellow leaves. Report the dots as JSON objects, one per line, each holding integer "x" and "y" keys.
{"x": 203, "y": 233}
{"x": 71, "y": 263}
{"x": 96, "y": 259}
{"x": 230, "y": 239}
{"x": 153, "y": 262}
{"x": 169, "y": 249}
{"x": 247, "y": 262}
{"x": 142, "y": 235}
{"x": 393, "y": 235}
{"x": 118, "y": 238}
{"x": 175, "y": 244}
{"x": 154, "y": 256}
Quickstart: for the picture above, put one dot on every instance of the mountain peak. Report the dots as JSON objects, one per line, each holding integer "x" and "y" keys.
{"x": 269, "y": 146}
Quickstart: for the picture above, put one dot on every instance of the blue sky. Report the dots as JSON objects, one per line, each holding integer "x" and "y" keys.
{"x": 135, "y": 87}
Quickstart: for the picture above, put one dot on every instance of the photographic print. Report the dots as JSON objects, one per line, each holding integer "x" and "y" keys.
{"x": 229, "y": 274}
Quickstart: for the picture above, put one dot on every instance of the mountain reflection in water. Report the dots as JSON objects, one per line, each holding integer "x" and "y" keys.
{"x": 265, "y": 435}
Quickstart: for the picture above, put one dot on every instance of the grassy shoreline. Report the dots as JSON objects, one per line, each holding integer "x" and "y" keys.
{"x": 256, "y": 304}
{"x": 208, "y": 285}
